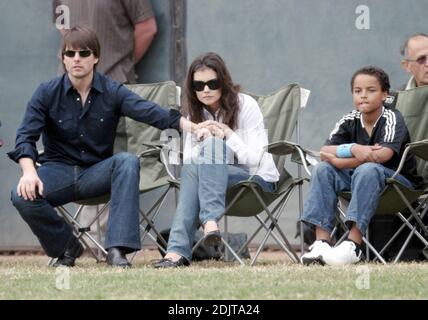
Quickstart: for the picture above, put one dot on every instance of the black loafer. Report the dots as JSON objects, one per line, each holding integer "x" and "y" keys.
{"x": 168, "y": 263}
{"x": 212, "y": 238}
{"x": 116, "y": 257}
{"x": 73, "y": 251}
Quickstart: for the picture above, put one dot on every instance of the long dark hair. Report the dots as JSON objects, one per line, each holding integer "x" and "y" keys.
{"x": 229, "y": 101}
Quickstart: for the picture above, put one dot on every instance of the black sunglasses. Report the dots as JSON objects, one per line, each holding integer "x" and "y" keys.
{"x": 213, "y": 84}
{"x": 82, "y": 53}
{"x": 419, "y": 60}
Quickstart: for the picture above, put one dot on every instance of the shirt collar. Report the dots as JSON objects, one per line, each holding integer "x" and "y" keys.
{"x": 380, "y": 116}
{"x": 96, "y": 83}
{"x": 208, "y": 115}
{"x": 411, "y": 84}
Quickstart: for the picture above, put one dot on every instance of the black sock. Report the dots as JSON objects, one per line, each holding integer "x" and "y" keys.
{"x": 358, "y": 247}
{"x": 328, "y": 242}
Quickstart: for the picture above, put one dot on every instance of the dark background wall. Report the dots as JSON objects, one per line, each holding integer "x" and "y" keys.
{"x": 28, "y": 56}
{"x": 270, "y": 43}
{"x": 266, "y": 44}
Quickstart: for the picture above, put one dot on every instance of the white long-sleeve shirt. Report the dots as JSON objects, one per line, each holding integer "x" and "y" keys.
{"x": 246, "y": 142}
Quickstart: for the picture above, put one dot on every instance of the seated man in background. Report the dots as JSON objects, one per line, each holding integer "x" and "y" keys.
{"x": 415, "y": 60}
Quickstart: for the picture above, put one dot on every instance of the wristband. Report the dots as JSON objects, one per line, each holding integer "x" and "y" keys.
{"x": 344, "y": 150}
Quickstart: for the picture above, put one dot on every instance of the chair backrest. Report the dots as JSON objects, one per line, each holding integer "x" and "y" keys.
{"x": 413, "y": 105}
{"x": 131, "y": 134}
{"x": 280, "y": 111}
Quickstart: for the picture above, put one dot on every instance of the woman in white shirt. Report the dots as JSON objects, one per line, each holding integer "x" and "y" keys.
{"x": 226, "y": 148}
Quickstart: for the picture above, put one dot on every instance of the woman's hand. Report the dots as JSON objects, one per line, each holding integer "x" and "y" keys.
{"x": 216, "y": 131}
{"x": 216, "y": 128}
{"x": 202, "y": 133}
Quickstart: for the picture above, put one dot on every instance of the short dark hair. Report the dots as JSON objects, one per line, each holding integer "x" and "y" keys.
{"x": 81, "y": 37}
{"x": 403, "y": 48}
{"x": 376, "y": 72}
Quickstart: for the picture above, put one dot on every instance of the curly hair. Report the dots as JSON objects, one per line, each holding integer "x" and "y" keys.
{"x": 229, "y": 101}
{"x": 376, "y": 72}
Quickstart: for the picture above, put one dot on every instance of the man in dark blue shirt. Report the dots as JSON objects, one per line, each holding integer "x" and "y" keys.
{"x": 77, "y": 115}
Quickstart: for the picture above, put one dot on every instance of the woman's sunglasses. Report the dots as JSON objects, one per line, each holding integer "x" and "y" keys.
{"x": 213, "y": 84}
{"x": 82, "y": 53}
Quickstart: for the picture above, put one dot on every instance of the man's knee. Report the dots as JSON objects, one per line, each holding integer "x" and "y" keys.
{"x": 19, "y": 202}
{"x": 128, "y": 160}
{"x": 323, "y": 168}
{"x": 369, "y": 170}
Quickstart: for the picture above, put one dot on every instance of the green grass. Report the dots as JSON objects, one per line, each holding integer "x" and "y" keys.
{"x": 28, "y": 277}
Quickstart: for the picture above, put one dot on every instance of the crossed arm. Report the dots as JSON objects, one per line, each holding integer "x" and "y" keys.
{"x": 361, "y": 154}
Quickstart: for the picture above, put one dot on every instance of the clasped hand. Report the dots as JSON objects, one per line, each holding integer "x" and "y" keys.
{"x": 212, "y": 128}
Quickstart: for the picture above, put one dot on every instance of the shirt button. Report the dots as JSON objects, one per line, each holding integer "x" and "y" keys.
{"x": 83, "y": 151}
{"x": 81, "y": 135}
{"x": 60, "y": 121}
{"x": 102, "y": 120}
{"x": 89, "y": 101}
{"x": 78, "y": 99}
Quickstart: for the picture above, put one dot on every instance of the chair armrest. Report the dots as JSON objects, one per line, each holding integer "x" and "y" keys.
{"x": 154, "y": 144}
{"x": 299, "y": 154}
{"x": 150, "y": 153}
{"x": 418, "y": 148}
{"x": 161, "y": 151}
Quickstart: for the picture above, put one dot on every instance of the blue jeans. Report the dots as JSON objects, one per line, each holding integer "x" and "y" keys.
{"x": 366, "y": 183}
{"x": 203, "y": 192}
{"x": 118, "y": 175}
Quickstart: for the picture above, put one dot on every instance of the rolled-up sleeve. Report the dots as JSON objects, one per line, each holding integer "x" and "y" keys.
{"x": 135, "y": 107}
{"x": 31, "y": 128}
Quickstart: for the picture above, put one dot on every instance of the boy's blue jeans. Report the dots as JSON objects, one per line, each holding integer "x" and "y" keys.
{"x": 366, "y": 183}
{"x": 203, "y": 192}
{"x": 118, "y": 176}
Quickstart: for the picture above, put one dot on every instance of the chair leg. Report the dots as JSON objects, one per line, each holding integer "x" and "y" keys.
{"x": 365, "y": 240}
{"x": 81, "y": 231}
{"x": 275, "y": 224}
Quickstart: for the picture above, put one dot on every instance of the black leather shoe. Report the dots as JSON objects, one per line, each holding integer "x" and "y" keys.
{"x": 168, "y": 263}
{"x": 73, "y": 251}
{"x": 212, "y": 238}
{"x": 116, "y": 257}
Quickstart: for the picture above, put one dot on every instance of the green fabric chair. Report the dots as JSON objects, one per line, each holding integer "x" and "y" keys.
{"x": 395, "y": 198}
{"x": 136, "y": 137}
{"x": 246, "y": 199}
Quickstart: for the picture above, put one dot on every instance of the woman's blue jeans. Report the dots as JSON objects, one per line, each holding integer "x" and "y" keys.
{"x": 118, "y": 176}
{"x": 366, "y": 183}
{"x": 203, "y": 192}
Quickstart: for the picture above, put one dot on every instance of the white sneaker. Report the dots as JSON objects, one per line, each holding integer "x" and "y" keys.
{"x": 317, "y": 250}
{"x": 342, "y": 255}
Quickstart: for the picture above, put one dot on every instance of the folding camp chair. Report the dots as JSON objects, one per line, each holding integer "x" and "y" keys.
{"x": 142, "y": 139}
{"x": 396, "y": 198}
{"x": 246, "y": 199}
{"x": 133, "y": 137}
